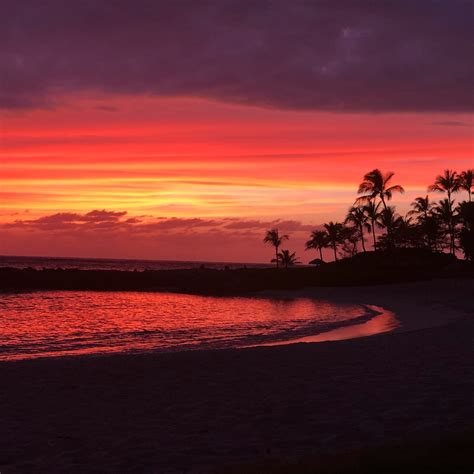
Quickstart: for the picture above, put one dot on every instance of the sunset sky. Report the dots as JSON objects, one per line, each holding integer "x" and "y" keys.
{"x": 183, "y": 130}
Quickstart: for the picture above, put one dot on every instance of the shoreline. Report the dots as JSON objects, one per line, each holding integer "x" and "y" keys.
{"x": 130, "y": 413}
{"x": 413, "y": 308}
{"x": 383, "y": 321}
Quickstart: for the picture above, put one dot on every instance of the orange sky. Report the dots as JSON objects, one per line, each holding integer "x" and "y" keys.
{"x": 193, "y": 158}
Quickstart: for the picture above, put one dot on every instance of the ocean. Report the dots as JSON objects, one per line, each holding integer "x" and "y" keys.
{"x": 66, "y": 323}
{"x": 39, "y": 263}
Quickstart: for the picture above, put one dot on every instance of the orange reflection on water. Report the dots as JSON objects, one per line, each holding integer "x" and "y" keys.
{"x": 44, "y": 324}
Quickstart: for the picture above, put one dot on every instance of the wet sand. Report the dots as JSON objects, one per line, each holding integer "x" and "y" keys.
{"x": 198, "y": 411}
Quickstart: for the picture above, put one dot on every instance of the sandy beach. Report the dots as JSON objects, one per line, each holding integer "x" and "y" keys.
{"x": 202, "y": 411}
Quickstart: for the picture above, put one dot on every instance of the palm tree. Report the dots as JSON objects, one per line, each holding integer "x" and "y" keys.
{"x": 389, "y": 219}
{"x": 466, "y": 234}
{"x": 372, "y": 212}
{"x": 272, "y": 237}
{"x": 334, "y": 232}
{"x": 422, "y": 207}
{"x": 466, "y": 182}
{"x": 287, "y": 259}
{"x": 349, "y": 238}
{"x": 318, "y": 241}
{"x": 445, "y": 212}
{"x": 448, "y": 182}
{"x": 357, "y": 216}
{"x": 377, "y": 185}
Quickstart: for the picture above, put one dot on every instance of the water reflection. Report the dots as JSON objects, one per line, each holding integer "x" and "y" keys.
{"x": 64, "y": 323}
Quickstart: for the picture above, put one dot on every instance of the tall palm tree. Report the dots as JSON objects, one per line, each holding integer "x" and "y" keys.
{"x": 287, "y": 259}
{"x": 273, "y": 238}
{"x": 358, "y": 218}
{"x": 334, "y": 231}
{"x": 318, "y": 241}
{"x": 372, "y": 211}
{"x": 466, "y": 182}
{"x": 377, "y": 185}
{"x": 448, "y": 182}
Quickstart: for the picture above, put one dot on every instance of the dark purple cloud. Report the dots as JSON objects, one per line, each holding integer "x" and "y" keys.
{"x": 73, "y": 220}
{"x": 354, "y": 55}
{"x": 116, "y": 221}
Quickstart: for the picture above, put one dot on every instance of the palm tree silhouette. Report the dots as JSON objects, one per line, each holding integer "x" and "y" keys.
{"x": 272, "y": 237}
{"x": 334, "y": 232}
{"x": 422, "y": 207}
{"x": 448, "y": 182}
{"x": 466, "y": 234}
{"x": 445, "y": 212}
{"x": 318, "y": 241}
{"x": 376, "y": 185}
{"x": 371, "y": 209}
{"x": 286, "y": 258}
{"x": 466, "y": 182}
{"x": 358, "y": 218}
{"x": 423, "y": 211}
{"x": 389, "y": 219}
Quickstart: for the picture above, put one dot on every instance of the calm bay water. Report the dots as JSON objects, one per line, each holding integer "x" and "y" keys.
{"x": 42, "y": 324}
{"x": 38, "y": 263}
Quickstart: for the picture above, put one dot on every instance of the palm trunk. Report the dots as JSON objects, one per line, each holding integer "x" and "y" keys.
{"x": 373, "y": 235}
{"x": 334, "y": 247}
{"x": 362, "y": 238}
{"x": 321, "y": 254}
{"x": 276, "y": 256}
{"x": 389, "y": 227}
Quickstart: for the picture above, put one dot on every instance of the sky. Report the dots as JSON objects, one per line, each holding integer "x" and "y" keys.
{"x": 184, "y": 130}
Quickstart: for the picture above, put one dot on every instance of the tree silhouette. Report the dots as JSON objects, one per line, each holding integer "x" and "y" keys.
{"x": 388, "y": 219}
{"x": 466, "y": 235}
{"x": 448, "y": 182}
{"x": 335, "y": 237}
{"x": 377, "y": 185}
{"x": 372, "y": 211}
{"x": 466, "y": 182}
{"x": 273, "y": 238}
{"x": 358, "y": 218}
{"x": 445, "y": 213}
{"x": 349, "y": 238}
{"x": 422, "y": 207}
{"x": 286, "y": 258}
{"x": 318, "y": 241}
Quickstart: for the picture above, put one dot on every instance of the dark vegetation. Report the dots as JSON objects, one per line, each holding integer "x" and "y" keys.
{"x": 439, "y": 226}
{"x": 397, "y": 265}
